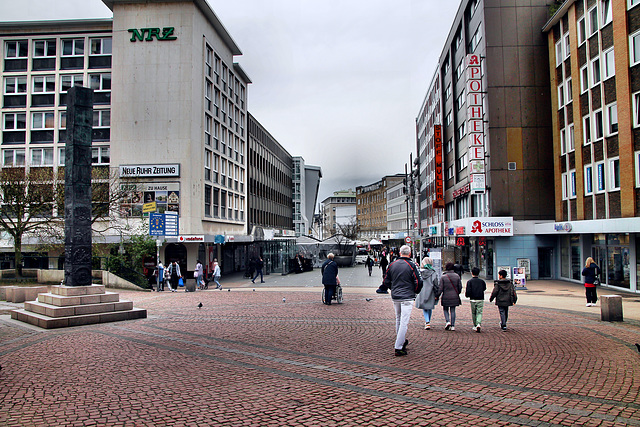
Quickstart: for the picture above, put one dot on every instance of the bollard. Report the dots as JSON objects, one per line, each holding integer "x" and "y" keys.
{"x": 611, "y": 308}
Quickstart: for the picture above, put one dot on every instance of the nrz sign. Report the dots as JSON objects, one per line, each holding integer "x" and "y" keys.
{"x": 147, "y": 34}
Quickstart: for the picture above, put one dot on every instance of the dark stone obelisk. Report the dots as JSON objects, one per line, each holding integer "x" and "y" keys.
{"x": 77, "y": 188}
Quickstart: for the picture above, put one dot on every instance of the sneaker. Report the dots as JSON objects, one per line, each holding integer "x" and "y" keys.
{"x": 453, "y": 328}
{"x": 447, "y": 326}
{"x": 588, "y": 304}
{"x": 427, "y": 326}
{"x": 478, "y": 329}
{"x": 504, "y": 328}
{"x": 400, "y": 352}
{"x": 475, "y": 328}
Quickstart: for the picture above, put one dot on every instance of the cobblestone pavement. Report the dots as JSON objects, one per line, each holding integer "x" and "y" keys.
{"x": 248, "y": 358}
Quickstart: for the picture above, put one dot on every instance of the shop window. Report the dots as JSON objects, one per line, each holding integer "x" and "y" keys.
{"x": 588, "y": 180}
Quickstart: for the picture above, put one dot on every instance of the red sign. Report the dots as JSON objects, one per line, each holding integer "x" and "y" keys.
{"x": 407, "y": 239}
{"x": 437, "y": 142}
{"x": 460, "y": 241}
{"x": 482, "y": 241}
{"x": 462, "y": 190}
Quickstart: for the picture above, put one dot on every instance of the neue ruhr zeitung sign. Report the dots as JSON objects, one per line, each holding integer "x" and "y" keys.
{"x": 152, "y": 171}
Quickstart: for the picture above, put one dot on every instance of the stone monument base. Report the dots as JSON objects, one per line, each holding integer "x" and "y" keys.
{"x": 68, "y": 306}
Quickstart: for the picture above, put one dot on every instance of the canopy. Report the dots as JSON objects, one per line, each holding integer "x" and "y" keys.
{"x": 375, "y": 242}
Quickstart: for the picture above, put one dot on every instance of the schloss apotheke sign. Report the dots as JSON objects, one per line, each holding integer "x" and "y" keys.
{"x": 147, "y": 34}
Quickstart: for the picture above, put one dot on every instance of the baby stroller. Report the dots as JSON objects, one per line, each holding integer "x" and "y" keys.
{"x": 337, "y": 295}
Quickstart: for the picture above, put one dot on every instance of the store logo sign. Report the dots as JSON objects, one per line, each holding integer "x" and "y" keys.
{"x": 147, "y": 34}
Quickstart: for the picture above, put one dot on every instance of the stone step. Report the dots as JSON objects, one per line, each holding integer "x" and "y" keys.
{"x": 65, "y": 301}
{"x": 48, "y": 322}
{"x": 76, "y": 310}
{"x": 73, "y": 291}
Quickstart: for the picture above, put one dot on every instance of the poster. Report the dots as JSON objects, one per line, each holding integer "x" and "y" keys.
{"x": 165, "y": 195}
{"x": 505, "y": 268}
{"x": 519, "y": 278}
{"x": 526, "y": 264}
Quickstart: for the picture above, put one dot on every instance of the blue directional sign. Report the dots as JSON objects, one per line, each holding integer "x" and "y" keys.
{"x": 156, "y": 224}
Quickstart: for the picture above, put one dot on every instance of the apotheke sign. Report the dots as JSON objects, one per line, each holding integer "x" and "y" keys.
{"x": 159, "y": 170}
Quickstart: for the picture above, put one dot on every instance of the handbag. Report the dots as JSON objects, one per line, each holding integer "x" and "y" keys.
{"x": 195, "y": 274}
{"x": 596, "y": 280}
{"x": 180, "y": 282}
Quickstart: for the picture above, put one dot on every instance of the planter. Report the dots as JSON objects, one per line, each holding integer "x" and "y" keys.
{"x": 343, "y": 260}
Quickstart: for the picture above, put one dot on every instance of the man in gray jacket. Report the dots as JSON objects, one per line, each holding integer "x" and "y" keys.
{"x": 404, "y": 280}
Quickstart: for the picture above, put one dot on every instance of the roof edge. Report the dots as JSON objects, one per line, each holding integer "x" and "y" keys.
{"x": 558, "y": 15}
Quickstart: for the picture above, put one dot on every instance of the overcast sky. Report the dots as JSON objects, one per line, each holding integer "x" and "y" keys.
{"x": 338, "y": 82}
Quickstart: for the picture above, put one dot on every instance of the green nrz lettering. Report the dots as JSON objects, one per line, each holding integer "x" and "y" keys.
{"x": 147, "y": 34}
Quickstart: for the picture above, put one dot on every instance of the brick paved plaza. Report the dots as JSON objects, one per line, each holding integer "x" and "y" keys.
{"x": 247, "y": 358}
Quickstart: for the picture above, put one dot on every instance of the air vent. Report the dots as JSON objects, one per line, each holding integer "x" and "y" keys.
{"x": 511, "y": 166}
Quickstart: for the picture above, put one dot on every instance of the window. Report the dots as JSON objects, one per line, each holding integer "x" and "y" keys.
{"x": 572, "y": 184}
{"x": 607, "y": 14}
{"x": 42, "y": 157}
{"x": 207, "y": 200}
{"x": 449, "y": 145}
{"x": 584, "y": 79}
{"x": 614, "y": 174}
{"x": 447, "y": 119}
{"x": 15, "y": 121}
{"x": 571, "y": 143}
{"x": 595, "y": 72}
{"x": 475, "y": 39}
{"x": 593, "y": 21}
{"x": 563, "y": 141}
{"x": 13, "y": 157}
{"x": 207, "y": 165}
{"x": 460, "y": 132}
{"x": 636, "y": 108}
{"x": 73, "y": 47}
{"x": 559, "y": 55}
{"x": 560, "y": 96}
{"x": 600, "y": 177}
{"x": 565, "y": 186}
{"x": 208, "y": 61}
{"x": 586, "y": 129}
{"x": 15, "y": 85}
{"x": 216, "y": 162}
{"x": 598, "y": 126}
{"x": 44, "y": 48}
{"x": 207, "y": 130}
{"x": 460, "y": 101}
{"x": 450, "y": 172}
{"x": 462, "y": 162}
{"x": 69, "y": 81}
{"x": 447, "y": 92}
{"x": 101, "y": 118}
{"x": 44, "y": 84}
{"x": 16, "y": 49}
{"x": 612, "y": 119}
{"x": 42, "y": 120}
{"x": 100, "y": 155}
{"x": 208, "y": 88}
{"x": 459, "y": 69}
{"x": 473, "y": 5}
{"x": 609, "y": 64}
{"x": 634, "y": 47}
{"x": 633, "y": 3}
{"x": 567, "y": 46}
{"x": 100, "y": 82}
{"x": 458, "y": 39}
{"x": 588, "y": 180}
{"x": 582, "y": 32}
{"x": 101, "y": 46}
{"x": 61, "y": 154}
{"x": 568, "y": 88}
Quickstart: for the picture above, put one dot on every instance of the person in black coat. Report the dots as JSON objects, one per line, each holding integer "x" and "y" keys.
{"x": 259, "y": 267}
{"x": 384, "y": 262}
{"x": 329, "y": 278}
{"x": 590, "y": 273}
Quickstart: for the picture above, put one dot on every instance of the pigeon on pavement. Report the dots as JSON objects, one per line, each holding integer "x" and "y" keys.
{"x": 199, "y": 305}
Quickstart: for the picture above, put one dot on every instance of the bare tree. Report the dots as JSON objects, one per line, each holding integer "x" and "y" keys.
{"x": 27, "y": 205}
{"x": 350, "y": 229}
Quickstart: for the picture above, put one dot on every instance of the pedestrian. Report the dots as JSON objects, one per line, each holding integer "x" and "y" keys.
{"x": 330, "y": 278}
{"x": 160, "y": 275}
{"x": 405, "y": 282}
{"x": 591, "y": 280}
{"x": 384, "y": 263}
{"x": 458, "y": 269}
{"x": 174, "y": 273}
{"x": 259, "y": 267}
{"x": 505, "y": 296}
{"x": 451, "y": 289}
{"x": 369, "y": 263}
{"x": 475, "y": 293}
{"x": 197, "y": 275}
{"x": 428, "y": 296}
{"x": 167, "y": 276}
{"x": 216, "y": 275}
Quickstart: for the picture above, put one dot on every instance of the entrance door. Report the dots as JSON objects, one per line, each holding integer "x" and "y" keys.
{"x": 545, "y": 257}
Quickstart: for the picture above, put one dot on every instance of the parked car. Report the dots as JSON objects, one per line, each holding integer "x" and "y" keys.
{"x": 361, "y": 256}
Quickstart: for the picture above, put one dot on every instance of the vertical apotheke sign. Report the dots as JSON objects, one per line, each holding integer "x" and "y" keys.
{"x": 438, "y": 203}
{"x": 475, "y": 123}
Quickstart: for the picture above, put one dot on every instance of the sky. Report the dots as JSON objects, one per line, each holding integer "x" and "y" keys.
{"x": 338, "y": 82}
